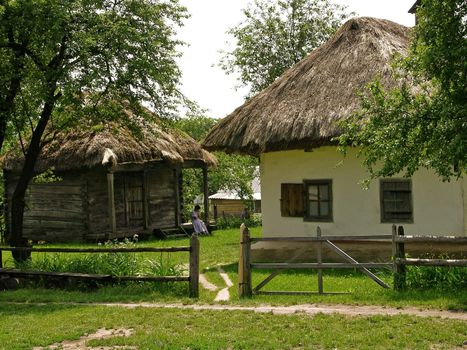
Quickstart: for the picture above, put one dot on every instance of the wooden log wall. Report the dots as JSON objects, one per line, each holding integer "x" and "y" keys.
{"x": 161, "y": 197}
{"x": 54, "y": 211}
{"x": 77, "y": 207}
{"x": 98, "y": 204}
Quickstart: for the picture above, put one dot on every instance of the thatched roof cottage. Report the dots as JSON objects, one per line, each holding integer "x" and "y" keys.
{"x": 113, "y": 182}
{"x": 305, "y": 181}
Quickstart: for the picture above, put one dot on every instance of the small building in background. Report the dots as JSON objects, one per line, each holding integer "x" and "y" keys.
{"x": 229, "y": 203}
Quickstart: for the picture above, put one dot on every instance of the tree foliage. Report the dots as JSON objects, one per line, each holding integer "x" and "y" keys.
{"x": 93, "y": 57}
{"x": 407, "y": 128}
{"x": 276, "y": 34}
{"x": 232, "y": 173}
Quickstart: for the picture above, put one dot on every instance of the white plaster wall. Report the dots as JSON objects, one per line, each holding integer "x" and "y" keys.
{"x": 439, "y": 207}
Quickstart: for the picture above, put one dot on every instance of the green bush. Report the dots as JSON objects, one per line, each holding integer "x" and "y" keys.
{"x": 442, "y": 278}
{"x": 116, "y": 264}
{"x": 235, "y": 222}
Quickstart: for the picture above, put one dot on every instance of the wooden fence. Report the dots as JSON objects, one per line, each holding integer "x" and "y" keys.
{"x": 397, "y": 264}
{"x": 192, "y": 278}
{"x": 400, "y": 260}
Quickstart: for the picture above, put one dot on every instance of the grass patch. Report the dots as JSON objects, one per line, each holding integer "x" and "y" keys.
{"x": 26, "y": 326}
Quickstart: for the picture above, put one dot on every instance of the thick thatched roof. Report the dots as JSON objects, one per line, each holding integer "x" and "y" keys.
{"x": 299, "y": 110}
{"x": 109, "y": 145}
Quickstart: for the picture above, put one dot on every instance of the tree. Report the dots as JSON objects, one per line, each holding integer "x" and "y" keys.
{"x": 406, "y": 128}
{"x": 94, "y": 58}
{"x": 232, "y": 173}
{"x": 276, "y": 34}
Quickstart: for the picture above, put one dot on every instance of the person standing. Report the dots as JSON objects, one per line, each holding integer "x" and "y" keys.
{"x": 198, "y": 225}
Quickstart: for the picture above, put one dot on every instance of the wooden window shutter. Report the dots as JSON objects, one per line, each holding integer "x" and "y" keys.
{"x": 292, "y": 204}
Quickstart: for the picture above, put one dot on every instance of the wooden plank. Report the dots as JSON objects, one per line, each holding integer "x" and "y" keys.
{"x": 206, "y": 194}
{"x": 15, "y": 272}
{"x": 20, "y": 273}
{"x": 99, "y": 250}
{"x": 194, "y": 266}
{"x": 46, "y": 213}
{"x": 316, "y": 265}
{"x": 244, "y": 266}
{"x": 431, "y": 239}
{"x": 177, "y": 196}
{"x": 299, "y": 293}
{"x": 47, "y": 223}
{"x": 319, "y": 257}
{"x": 355, "y": 262}
{"x": 399, "y": 270}
{"x": 432, "y": 262}
{"x": 153, "y": 278}
{"x": 111, "y": 196}
{"x": 283, "y": 239}
{"x": 323, "y": 238}
{"x": 146, "y": 217}
{"x": 57, "y": 188}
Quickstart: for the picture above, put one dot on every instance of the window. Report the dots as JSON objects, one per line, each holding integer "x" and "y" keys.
{"x": 292, "y": 200}
{"x": 318, "y": 200}
{"x": 396, "y": 200}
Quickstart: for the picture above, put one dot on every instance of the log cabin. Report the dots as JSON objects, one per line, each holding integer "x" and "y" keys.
{"x": 110, "y": 182}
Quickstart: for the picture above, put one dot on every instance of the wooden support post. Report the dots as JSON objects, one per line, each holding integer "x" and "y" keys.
{"x": 194, "y": 266}
{"x": 244, "y": 267}
{"x": 319, "y": 256}
{"x": 146, "y": 218}
{"x": 206, "y": 194}
{"x": 111, "y": 195}
{"x": 1, "y": 259}
{"x": 400, "y": 268}
{"x": 177, "y": 195}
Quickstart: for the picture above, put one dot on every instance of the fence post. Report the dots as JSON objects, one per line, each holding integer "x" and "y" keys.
{"x": 319, "y": 257}
{"x": 1, "y": 259}
{"x": 399, "y": 253}
{"x": 244, "y": 268}
{"x": 194, "y": 266}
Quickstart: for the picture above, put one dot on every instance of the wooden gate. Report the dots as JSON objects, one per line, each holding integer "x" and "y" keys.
{"x": 245, "y": 265}
{"x": 398, "y": 263}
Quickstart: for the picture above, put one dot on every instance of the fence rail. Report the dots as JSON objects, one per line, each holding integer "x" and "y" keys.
{"x": 400, "y": 260}
{"x": 398, "y": 263}
{"x": 192, "y": 278}
{"x": 322, "y": 238}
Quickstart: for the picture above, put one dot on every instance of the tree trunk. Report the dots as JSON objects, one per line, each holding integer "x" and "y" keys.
{"x": 16, "y": 238}
{"x": 6, "y": 106}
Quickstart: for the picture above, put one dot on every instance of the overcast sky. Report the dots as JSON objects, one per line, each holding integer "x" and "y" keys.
{"x": 205, "y": 31}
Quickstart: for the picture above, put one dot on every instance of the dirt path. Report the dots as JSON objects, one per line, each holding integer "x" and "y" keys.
{"x": 308, "y": 309}
{"x": 101, "y": 333}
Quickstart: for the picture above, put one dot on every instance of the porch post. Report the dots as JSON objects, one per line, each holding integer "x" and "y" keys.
{"x": 146, "y": 216}
{"x": 206, "y": 198}
{"x": 111, "y": 195}
{"x": 177, "y": 186}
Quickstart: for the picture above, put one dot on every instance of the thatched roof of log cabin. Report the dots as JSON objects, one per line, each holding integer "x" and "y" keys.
{"x": 300, "y": 108}
{"x": 111, "y": 144}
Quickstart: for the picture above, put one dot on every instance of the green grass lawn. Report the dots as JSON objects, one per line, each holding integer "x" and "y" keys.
{"x": 26, "y": 326}
{"x": 222, "y": 249}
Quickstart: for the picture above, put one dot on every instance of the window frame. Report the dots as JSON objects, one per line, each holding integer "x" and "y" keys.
{"x": 309, "y": 218}
{"x": 383, "y": 212}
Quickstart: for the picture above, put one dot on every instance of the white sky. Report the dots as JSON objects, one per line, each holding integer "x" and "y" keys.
{"x": 207, "y": 84}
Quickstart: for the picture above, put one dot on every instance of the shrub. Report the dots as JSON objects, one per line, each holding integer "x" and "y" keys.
{"x": 235, "y": 222}
{"x": 442, "y": 278}
{"x": 116, "y": 264}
